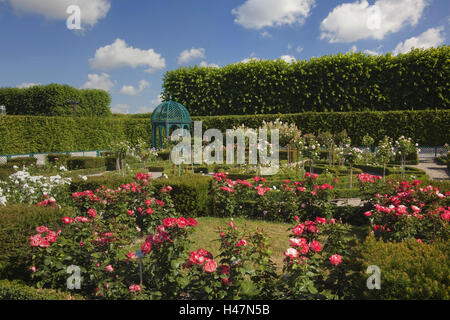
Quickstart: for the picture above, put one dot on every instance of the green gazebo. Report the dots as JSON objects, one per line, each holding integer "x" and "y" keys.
{"x": 167, "y": 115}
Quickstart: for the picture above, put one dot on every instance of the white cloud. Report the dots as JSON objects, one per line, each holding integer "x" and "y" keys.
{"x": 372, "y": 52}
{"x": 98, "y": 81}
{"x": 192, "y": 54}
{"x": 358, "y": 20}
{"x": 206, "y": 64}
{"x": 257, "y": 14}
{"x": 433, "y": 37}
{"x": 119, "y": 54}
{"x": 266, "y": 34}
{"x": 299, "y": 49}
{"x": 354, "y": 48}
{"x": 91, "y": 10}
{"x": 287, "y": 58}
{"x": 132, "y": 91}
{"x": 27, "y": 85}
{"x": 121, "y": 108}
{"x": 247, "y": 60}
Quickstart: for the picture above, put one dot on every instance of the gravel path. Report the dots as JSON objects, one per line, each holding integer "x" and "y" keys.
{"x": 434, "y": 170}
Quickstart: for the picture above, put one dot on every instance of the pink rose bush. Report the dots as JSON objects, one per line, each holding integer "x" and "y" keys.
{"x": 105, "y": 221}
{"x": 280, "y": 203}
{"x": 313, "y": 261}
{"x": 243, "y": 268}
{"x": 410, "y": 212}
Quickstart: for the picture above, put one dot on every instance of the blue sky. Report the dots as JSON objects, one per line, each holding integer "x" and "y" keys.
{"x": 126, "y": 46}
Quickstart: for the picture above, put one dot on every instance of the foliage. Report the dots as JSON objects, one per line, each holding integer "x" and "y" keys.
{"x": 411, "y": 212}
{"x": 32, "y": 134}
{"x": 17, "y": 290}
{"x": 314, "y": 267}
{"x": 419, "y": 125}
{"x": 76, "y": 163}
{"x": 52, "y": 100}
{"x": 16, "y": 224}
{"x": 409, "y": 270}
{"x": 190, "y": 193}
{"x": 342, "y": 82}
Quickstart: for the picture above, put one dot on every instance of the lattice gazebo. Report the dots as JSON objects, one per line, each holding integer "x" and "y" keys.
{"x": 167, "y": 115}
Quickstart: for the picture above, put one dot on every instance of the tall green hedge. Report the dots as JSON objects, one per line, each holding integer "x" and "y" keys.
{"x": 426, "y": 127}
{"x": 345, "y": 82}
{"x": 52, "y": 100}
{"x": 29, "y": 134}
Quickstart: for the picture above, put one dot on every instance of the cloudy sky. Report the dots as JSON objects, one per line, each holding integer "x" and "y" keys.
{"x": 125, "y": 47}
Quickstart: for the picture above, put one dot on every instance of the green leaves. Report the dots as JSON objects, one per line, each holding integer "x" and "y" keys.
{"x": 366, "y": 83}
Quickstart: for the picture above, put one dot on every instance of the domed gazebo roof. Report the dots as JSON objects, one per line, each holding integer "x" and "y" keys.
{"x": 171, "y": 112}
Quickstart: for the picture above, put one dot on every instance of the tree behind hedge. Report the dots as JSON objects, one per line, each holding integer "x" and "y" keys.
{"x": 52, "y": 100}
{"x": 417, "y": 80}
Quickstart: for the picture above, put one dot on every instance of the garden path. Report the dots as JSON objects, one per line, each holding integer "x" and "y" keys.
{"x": 434, "y": 170}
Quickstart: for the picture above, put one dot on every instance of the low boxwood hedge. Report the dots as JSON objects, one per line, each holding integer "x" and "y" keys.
{"x": 22, "y": 161}
{"x": 58, "y": 158}
{"x": 190, "y": 193}
{"x": 18, "y": 290}
{"x": 76, "y": 163}
{"x": 96, "y": 182}
{"x": 409, "y": 270}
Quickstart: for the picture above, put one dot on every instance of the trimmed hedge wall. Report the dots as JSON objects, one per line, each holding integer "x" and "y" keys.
{"x": 417, "y": 80}
{"x": 51, "y": 100}
{"x": 430, "y": 128}
{"x": 26, "y": 134}
{"x": 32, "y": 134}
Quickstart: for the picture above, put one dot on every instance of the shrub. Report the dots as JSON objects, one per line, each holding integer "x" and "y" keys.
{"x": 60, "y": 159}
{"x": 22, "y": 161}
{"x": 411, "y": 212}
{"x": 190, "y": 193}
{"x": 51, "y": 100}
{"x": 33, "y": 134}
{"x": 76, "y": 163}
{"x": 419, "y": 125}
{"x": 94, "y": 183}
{"x": 110, "y": 163}
{"x": 414, "y": 80}
{"x": 17, "y": 222}
{"x": 6, "y": 171}
{"x": 409, "y": 270}
{"x": 17, "y": 290}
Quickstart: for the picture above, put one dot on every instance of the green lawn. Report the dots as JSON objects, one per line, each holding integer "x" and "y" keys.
{"x": 206, "y": 234}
